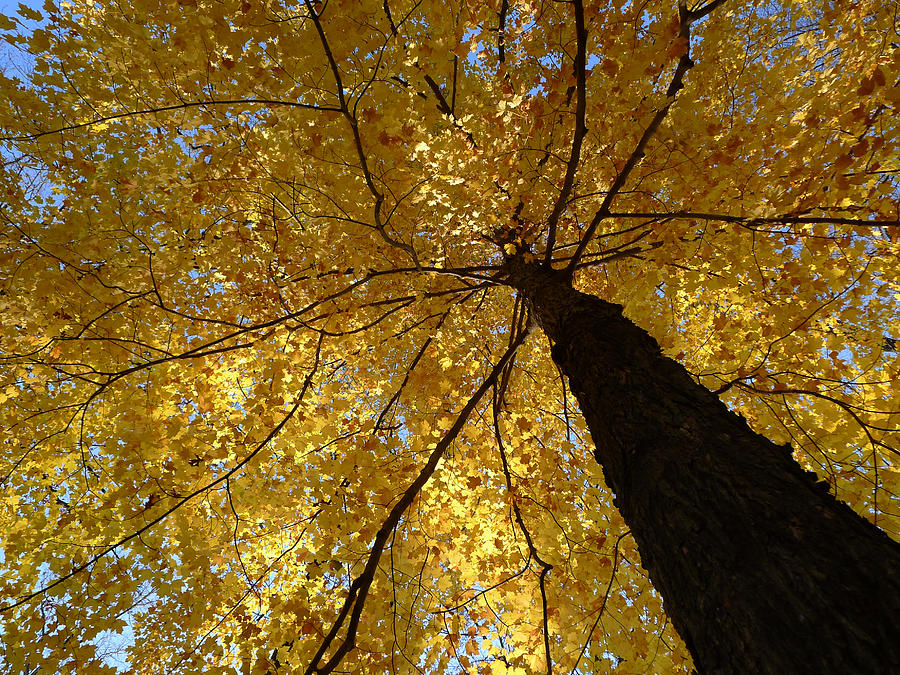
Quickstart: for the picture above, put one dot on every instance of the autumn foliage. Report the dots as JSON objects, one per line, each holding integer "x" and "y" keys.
{"x": 268, "y": 403}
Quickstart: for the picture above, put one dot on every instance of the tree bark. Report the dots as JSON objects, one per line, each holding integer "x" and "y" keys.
{"x": 761, "y": 570}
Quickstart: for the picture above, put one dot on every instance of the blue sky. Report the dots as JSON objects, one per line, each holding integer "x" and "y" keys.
{"x": 9, "y": 6}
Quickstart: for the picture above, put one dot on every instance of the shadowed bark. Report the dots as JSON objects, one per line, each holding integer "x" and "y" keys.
{"x": 760, "y": 568}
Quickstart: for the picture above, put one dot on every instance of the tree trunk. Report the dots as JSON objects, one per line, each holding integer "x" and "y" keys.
{"x": 761, "y": 570}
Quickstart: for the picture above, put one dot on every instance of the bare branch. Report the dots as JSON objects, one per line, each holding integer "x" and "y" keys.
{"x": 169, "y": 108}
{"x": 501, "y": 33}
{"x": 580, "y": 67}
{"x": 750, "y": 221}
{"x": 532, "y": 549}
{"x": 359, "y": 588}
{"x": 677, "y": 83}
{"x": 612, "y": 577}
{"x": 697, "y": 14}
{"x": 357, "y": 139}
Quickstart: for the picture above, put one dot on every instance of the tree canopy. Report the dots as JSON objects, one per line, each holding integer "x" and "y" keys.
{"x": 268, "y": 401}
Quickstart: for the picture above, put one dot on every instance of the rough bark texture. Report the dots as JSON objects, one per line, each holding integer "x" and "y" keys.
{"x": 760, "y": 568}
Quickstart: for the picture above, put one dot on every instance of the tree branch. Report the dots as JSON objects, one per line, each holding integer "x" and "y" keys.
{"x": 168, "y": 108}
{"x": 677, "y": 83}
{"x": 747, "y": 220}
{"x": 357, "y": 139}
{"x": 532, "y": 549}
{"x": 580, "y": 67}
{"x": 359, "y": 588}
{"x": 600, "y": 611}
{"x": 181, "y": 502}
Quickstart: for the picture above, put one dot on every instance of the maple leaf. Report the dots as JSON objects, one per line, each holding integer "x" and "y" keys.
{"x": 393, "y": 336}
